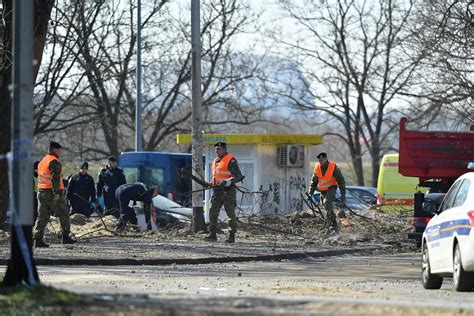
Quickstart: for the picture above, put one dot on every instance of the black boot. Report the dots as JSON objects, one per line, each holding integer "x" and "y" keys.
{"x": 211, "y": 237}
{"x": 39, "y": 243}
{"x": 231, "y": 238}
{"x": 66, "y": 240}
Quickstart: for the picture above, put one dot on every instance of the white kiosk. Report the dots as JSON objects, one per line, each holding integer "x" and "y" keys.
{"x": 275, "y": 166}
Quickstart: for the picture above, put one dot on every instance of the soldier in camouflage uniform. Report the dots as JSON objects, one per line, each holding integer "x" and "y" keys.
{"x": 50, "y": 196}
{"x": 326, "y": 178}
{"x": 226, "y": 173}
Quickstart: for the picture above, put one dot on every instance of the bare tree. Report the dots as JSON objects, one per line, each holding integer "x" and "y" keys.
{"x": 445, "y": 33}
{"x": 168, "y": 105}
{"x": 59, "y": 84}
{"x": 98, "y": 41}
{"x": 42, "y": 12}
{"x": 353, "y": 55}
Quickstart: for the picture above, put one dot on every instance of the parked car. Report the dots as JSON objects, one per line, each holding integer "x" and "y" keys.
{"x": 429, "y": 208}
{"x": 357, "y": 197}
{"x": 448, "y": 240}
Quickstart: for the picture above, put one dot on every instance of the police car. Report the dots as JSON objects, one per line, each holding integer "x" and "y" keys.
{"x": 448, "y": 240}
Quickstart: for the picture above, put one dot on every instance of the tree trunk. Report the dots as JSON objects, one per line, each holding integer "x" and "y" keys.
{"x": 359, "y": 170}
{"x": 375, "y": 155}
{"x": 5, "y": 105}
{"x": 42, "y": 12}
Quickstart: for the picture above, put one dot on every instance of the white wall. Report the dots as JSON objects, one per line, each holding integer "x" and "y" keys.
{"x": 281, "y": 186}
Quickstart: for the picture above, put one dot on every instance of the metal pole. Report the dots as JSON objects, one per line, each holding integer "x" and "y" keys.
{"x": 138, "y": 101}
{"x": 21, "y": 267}
{"x": 198, "y": 210}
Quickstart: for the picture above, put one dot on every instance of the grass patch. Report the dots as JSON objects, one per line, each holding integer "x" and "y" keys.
{"x": 40, "y": 300}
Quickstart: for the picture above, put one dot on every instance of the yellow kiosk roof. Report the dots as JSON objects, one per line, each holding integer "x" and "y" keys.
{"x": 244, "y": 139}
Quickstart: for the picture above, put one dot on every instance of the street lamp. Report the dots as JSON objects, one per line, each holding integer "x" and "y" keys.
{"x": 138, "y": 101}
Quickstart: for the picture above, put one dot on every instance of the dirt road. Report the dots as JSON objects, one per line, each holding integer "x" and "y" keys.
{"x": 350, "y": 284}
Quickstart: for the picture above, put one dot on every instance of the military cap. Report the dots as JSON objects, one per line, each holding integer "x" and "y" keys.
{"x": 111, "y": 158}
{"x": 84, "y": 165}
{"x": 221, "y": 144}
{"x": 322, "y": 155}
{"x": 55, "y": 145}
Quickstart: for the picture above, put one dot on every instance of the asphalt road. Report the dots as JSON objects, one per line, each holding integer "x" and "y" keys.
{"x": 349, "y": 284}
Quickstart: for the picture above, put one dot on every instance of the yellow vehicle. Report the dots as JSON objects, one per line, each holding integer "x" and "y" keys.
{"x": 393, "y": 189}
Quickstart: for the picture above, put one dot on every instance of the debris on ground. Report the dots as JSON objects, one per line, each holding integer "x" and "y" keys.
{"x": 307, "y": 226}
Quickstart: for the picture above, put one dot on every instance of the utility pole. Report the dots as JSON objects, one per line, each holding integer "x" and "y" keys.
{"x": 21, "y": 268}
{"x": 138, "y": 101}
{"x": 198, "y": 196}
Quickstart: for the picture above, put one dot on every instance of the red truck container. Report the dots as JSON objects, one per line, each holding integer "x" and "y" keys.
{"x": 437, "y": 158}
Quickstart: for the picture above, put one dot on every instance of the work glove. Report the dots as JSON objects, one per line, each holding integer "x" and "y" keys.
{"x": 93, "y": 205}
{"x": 101, "y": 202}
{"x": 227, "y": 183}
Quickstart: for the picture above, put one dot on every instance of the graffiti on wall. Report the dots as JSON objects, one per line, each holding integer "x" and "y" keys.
{"x": 271, "y": 195}
{"x": 270, "y": 198}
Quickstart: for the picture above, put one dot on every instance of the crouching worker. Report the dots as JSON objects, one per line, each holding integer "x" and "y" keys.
{"x": 126, "y": 195}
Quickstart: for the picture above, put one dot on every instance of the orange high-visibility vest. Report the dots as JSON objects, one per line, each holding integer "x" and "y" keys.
{"x": 44, "y": 174}
{"x": 221, "y": 172}
{"x": 327, "y": 180}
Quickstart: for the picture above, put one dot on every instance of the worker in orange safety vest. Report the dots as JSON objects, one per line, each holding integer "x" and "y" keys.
{"x": 50, "y": 197}
{"x": 225, "y": 173}
{"x": 326, "y": 178}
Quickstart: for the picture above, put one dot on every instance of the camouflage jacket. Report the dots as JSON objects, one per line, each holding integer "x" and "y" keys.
{"x": 337, "y": 174}
{"x": 56, "y": 169}
{"x": 234, "y": 170}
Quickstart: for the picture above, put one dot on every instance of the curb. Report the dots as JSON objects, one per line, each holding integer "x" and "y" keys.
{"x": 184, "y": 261}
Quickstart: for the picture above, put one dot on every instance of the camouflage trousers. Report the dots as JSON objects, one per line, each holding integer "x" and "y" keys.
{"x": 228, "y": 198}
{"x": 329, "y": 198}
{"x": 47, "y": 206}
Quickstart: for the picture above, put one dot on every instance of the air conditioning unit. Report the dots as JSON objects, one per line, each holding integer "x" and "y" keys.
{"x": 291, "y": 156}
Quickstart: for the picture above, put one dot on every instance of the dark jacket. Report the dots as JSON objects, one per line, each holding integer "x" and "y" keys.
{"x": 80, "y": 193}
{"x": 109, "y": 181}
{"x": 82, "y": 187}
{"x": 135, "y": 192}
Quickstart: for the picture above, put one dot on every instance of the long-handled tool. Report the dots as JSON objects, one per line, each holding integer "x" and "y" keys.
{"x": 188, "y": 172}
{"x": 97, "y": 206}
{"x": 207, "y": 186}
{"x": 313, "y": 206}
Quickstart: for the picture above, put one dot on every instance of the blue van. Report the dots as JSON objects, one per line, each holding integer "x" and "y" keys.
{"x": 162, "y": 169}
